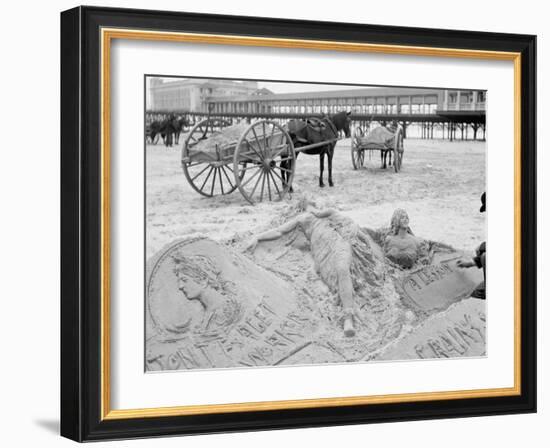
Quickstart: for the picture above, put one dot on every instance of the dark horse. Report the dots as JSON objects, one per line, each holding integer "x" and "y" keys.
{"x": 393, "y": 128}
{"x": 180, "y": 125}
{"x": 317, "y": 130}
{"x": 155, "y": 129}
{"x": 171, "y": 129}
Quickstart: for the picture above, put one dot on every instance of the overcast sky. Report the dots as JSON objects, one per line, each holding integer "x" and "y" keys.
{"x": 291, "y": 87}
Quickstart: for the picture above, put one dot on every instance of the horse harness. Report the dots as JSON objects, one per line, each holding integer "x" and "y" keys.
{"x": 300, "y": 128}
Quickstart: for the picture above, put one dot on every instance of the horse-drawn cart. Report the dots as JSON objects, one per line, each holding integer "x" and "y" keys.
{"x": 381, "y": 139}
{"x": 258, "y": 159}
{"x": 218, "y": 159}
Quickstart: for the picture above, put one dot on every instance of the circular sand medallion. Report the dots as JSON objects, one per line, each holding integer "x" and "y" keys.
{"x": 210, "y": 307}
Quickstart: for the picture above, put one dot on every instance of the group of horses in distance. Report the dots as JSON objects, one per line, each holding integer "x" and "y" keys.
{"x": 169, "y": 129}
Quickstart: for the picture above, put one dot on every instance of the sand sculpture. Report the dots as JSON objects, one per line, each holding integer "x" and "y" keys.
{"x": 316, "y": 289}
{"x": 401, "y": 246}
{"x": 339, "y": 247}
{"x": 208, "y": 306}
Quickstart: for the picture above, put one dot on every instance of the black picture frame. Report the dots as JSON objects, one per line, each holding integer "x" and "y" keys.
{"x": 81, "y": 224}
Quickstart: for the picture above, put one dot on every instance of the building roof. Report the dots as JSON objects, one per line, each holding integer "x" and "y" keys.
{"x": 204, "y": 82}
{"x": 344, "y": 93}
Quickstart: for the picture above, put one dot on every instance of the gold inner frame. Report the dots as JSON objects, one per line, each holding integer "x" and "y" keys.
{"x": 107, "y": 35}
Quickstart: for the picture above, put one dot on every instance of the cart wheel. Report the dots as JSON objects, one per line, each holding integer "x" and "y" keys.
{"x": 357, "y": 154}
{"x": 398, "y": 151}
{"x": 264, "y": 162}
{"x": 207, "y": 178}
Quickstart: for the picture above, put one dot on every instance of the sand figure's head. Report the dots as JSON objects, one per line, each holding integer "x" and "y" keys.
{"x": 399, "y": 220}
{"x": 194, "y": 274}
{"x": 305, "y": 203}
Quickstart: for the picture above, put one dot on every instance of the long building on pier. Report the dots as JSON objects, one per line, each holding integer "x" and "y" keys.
{"x": 244, "y": 97}
{"x": 444, "y": 109}
{"x": 376, "y": 100}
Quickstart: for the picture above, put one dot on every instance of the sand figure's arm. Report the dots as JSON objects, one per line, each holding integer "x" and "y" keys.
{"x": 274, "y": 234}
{"x": 476, "y": 261}
{"x": 325, "y": 213}
{"x": 277, "y": 233}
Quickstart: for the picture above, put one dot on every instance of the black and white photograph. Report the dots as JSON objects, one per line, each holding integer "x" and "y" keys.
{"x": 265, "y": 224}
{"x": 291, "y": 223}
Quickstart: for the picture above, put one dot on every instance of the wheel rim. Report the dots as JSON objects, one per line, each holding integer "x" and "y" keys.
{"x": 209, "y": 178}
{"x": 257, "y": 162}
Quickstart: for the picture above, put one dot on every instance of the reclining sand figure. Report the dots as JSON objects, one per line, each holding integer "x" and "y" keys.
{"x": 341, "y": 250}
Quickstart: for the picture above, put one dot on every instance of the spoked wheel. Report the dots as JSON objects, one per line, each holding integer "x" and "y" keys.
{"x": 398, "y": 150}
{"x": 210, "y": 179}
{"x": 357, "y": 154}
{"x": 264, "y": 161}
{"x": 205, "y": 172}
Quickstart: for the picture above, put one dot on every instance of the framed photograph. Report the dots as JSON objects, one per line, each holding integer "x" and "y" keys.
{"x": 277, "y": 224}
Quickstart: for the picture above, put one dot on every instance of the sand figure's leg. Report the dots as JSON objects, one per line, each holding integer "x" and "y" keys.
{"x": 345, "y": 292}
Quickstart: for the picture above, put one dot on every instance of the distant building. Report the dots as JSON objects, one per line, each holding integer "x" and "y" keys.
{"x": 219, "y": 97}
{"x": 376, "y": 100}
{"x": 192, "y": 95}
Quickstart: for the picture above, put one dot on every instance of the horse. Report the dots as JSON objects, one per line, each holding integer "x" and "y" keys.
{"x": 393, "y": 128}
{"x": 170, "y": 128}
{"x": 179, "y": 126}
{"x": 154, "y": 129}
{"x": 317, "y": 130}
{"x": 182, "y": 124}
{"x": 383, "y": 157}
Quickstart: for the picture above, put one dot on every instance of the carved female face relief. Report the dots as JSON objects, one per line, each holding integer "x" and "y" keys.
{"x": 188, "y": 287}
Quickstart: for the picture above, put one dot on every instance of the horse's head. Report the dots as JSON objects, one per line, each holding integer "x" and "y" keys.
{"x": 342, "y": 122}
